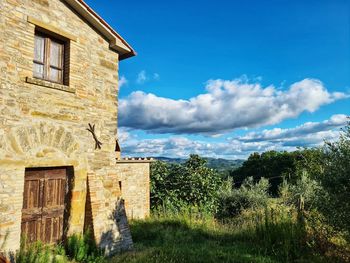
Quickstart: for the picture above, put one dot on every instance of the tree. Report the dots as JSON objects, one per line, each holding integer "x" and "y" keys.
{"x": 191, "y": 183}
{"x": 278, "y": 166}
{"x": 336, "y": 181}
{"x": 162, "y": 191}
{"x": 271, "y": 165}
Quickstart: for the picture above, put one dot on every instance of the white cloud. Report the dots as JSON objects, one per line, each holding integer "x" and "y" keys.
{"x": 122, "y": 81}
{"x": 277, "y": 134}
{"x": 306, "y": 135}
{"x": 143, "y": 77}
{"x": 227, "y": 105}
{"x": 124, "y": 135}
{"x": 182, "y": 147}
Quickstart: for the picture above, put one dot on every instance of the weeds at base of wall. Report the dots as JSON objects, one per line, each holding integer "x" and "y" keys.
{"x": 77, "y": 248}
{"x": 84, "y": 249}
{"x": 39, "y": 253}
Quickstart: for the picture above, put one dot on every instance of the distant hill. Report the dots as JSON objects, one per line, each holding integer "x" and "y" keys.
{"x": 214, "y": 163}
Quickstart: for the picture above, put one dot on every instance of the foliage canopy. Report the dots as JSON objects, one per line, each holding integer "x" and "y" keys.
{"x": 191, "y": 183}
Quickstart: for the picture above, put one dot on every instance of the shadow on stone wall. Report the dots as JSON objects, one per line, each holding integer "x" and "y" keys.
{"x": 88, "y": 219}
{"x": 118, "y": 238}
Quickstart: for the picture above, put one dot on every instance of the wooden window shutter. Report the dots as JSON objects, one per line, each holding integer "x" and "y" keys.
{"x": 66, "y": 64}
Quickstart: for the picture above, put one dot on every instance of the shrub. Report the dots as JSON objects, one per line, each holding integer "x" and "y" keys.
{"x": 233, "y": 201}
{"x": 325, "y": 239}
{"x": 304, "y": 194}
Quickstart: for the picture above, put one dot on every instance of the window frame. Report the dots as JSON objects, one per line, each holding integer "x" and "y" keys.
{"x": 63, "y": 69}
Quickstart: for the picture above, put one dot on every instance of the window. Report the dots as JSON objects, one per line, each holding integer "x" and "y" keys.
{"x": 49, "y": 59}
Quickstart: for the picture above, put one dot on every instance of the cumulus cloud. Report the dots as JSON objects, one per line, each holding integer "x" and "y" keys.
{"x": 309, "y": 134}
{"x": 226, "y": 105}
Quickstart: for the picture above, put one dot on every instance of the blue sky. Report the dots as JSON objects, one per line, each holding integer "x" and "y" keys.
{"x": 227, "y": 78}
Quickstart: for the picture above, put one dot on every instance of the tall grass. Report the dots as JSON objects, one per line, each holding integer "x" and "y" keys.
{"x": 281, "y": 234}
{"x": 273, "y": 234}
{"x": 82, "y": 248}
{"x": 267, "y": 235}
{"x": 77, "y": 248}
{"x": 40, "y": 253}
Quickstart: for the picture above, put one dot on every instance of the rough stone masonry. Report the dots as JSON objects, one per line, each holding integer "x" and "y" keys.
{"x": 44, "y": 124}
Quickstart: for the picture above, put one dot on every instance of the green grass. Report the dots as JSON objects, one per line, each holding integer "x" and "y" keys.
{"x": 184, "y": 240}
{"x": 271, "y": 235}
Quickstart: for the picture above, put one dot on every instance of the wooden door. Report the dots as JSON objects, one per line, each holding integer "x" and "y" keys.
{"x": 44, "y": 204}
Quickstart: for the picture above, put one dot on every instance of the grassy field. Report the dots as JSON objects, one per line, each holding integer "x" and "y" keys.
{"x": 184, "y": 240}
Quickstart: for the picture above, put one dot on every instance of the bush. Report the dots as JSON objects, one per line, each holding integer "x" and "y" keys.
{"x": 325, "y": 239}
{"x": 304, "y": 194}
{"x": 233, "y": 201}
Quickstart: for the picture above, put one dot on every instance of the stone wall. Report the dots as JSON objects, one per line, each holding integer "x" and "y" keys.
{"x": 134, "y": 175}
{"x": 44, "y": 125}
{"x": 108, "y": 218}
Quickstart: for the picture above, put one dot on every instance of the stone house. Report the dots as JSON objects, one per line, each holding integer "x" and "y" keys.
{"x": 60, "y": 165}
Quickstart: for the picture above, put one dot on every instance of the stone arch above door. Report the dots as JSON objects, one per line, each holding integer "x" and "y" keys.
{"x": 37, "y": 141}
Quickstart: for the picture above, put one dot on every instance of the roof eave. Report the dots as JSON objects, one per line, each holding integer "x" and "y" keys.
{"x": 116, "y": 42}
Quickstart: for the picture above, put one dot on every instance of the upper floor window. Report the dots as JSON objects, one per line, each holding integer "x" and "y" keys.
{"x": 49, "y": 59}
